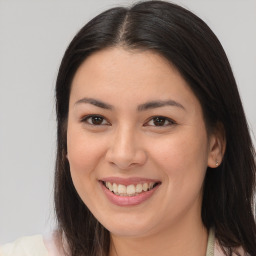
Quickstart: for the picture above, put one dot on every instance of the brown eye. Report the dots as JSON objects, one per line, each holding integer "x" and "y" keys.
{"x": 160, "y": 121}
{"x": 95, "y": 120}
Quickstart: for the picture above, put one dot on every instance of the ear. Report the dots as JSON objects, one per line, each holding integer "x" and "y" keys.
{"x": 217, "y": 146}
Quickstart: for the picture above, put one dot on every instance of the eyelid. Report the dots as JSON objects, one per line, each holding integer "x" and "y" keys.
{"x": 171, "y": 121}
{"x": 84, "y": 119}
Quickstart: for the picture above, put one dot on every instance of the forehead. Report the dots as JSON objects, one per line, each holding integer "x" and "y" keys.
{"x": 131, "y": 76}
{"x": 115, "y": 61}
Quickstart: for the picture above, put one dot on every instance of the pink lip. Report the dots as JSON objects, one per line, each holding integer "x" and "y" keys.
{"x": 128, "y": 181}
{"x": 128, "y": 200}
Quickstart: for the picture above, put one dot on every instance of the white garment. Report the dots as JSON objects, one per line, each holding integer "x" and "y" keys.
{"x": 51, "y": 246}
{"x": 25, "y": 246}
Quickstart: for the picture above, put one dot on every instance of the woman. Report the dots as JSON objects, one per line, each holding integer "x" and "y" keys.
{"x": 154, "y": 154}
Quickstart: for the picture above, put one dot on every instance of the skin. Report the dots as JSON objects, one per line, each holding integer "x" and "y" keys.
{"x": 127, "y": 143}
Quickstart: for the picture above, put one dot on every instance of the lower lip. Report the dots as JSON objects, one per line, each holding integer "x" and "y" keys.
{"x": 128, "y": 200}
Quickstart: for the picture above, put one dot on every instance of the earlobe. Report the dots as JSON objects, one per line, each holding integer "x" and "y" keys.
{"x": 215, "y": 153}
{"x": 217, "y": 147}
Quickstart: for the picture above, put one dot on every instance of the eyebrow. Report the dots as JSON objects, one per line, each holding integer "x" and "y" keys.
{"x": 142, "y": 107}
{"x": 95, "y": 102}
{"x": 158, "y": 104}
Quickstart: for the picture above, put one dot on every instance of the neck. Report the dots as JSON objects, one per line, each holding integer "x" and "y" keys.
{"x": 188, "y": 239}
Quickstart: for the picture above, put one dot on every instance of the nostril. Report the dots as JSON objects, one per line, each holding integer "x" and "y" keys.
{"x": 125, "y": 157}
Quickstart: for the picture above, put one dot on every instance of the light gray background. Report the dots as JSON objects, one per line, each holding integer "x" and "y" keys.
{"x": 33, "y": 37}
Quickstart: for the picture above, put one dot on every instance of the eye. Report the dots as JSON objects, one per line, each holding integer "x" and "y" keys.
{"x": 95, "y": 120}
{"x": 160, "y": 121}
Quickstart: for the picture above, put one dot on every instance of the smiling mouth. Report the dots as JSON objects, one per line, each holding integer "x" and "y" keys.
{"x": 130, "y": 190}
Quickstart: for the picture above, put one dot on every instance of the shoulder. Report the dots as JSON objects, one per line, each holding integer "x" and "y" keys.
{"x": 214, "y": 248}
{"x": 25, "y": 246}
{"x": 238, "y": 251}
{"x": 51, "y": 244}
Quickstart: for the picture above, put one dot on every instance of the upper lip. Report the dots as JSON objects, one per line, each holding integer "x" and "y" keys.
{"x": 129, "y": 181}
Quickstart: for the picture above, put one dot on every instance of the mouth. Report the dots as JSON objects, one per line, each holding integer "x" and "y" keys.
{"x": 131, "y": 189}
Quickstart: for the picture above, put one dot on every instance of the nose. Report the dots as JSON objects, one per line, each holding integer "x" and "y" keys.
{"x": 125, "y": 150}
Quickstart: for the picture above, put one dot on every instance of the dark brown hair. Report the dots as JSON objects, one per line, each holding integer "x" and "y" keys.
{"x": 189, "y": 44}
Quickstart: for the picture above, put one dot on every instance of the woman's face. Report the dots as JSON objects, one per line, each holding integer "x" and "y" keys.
{"x": 135, "y": 126}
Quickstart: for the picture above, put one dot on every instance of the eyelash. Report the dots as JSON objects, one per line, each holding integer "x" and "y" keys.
{"x": 164, "y": 119}
{"x": 86, "y": 118}
{"x": 161, "y": 118}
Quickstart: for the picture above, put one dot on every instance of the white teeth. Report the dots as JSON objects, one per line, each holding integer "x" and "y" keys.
{"x": 130, "y": 190}
{"x": 121, "y": 189}
{"x": 145, "y": 187}
{"x": 138, "y": 188}
{"x": 114, "y": 187}
{"x": 109, "y": 186}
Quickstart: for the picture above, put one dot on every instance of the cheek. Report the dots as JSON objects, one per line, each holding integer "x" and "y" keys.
{"x": 183, "y": 158}
{"x": 83, "y": 151}
{"x": 183, "y": 163}
{"x": 182, "y": 151}
{"x": 84, "y": 155}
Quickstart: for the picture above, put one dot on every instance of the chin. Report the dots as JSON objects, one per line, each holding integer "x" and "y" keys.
{"x": 129, "y": 232}
{"x": 128, "y": 227}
